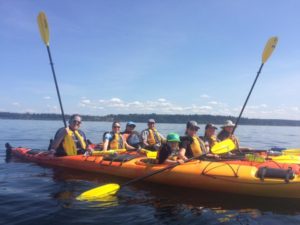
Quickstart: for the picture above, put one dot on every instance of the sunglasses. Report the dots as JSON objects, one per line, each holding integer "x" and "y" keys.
{"x": 76, "y": 122}
{"x": 194, "y": 128}
{"x": 116, "y": 127}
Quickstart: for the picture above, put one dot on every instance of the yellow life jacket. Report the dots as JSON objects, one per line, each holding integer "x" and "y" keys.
{"x": 69, "y": 144}
{"x": 117, "y": 142}
{"x": 197, "y": 146}
{"x": 153, "y": 137}
{"x": 212, "y": 140}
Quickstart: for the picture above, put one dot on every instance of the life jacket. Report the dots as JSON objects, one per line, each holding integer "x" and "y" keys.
{"x": 117, "y": 141}
{"x": 197, "y": 146}
{"x": 153, "y": 137}
{"x": 224, "y": 135}
{"x": 212, "y": 140}
{"x": 69, "y": 142}
{"x": 194, "y": 146}
{"x": 167, "y": 153}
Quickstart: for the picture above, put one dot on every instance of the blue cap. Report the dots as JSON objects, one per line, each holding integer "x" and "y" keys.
{"x": 130, "y": 123}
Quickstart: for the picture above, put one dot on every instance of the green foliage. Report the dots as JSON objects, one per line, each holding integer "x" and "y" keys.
{"x": 159, "y": 118}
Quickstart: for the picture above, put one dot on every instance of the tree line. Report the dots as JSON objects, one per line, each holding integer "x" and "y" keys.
{"x": 160, "y": 118}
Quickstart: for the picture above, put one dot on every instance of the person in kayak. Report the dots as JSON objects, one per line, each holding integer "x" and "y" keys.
{"x": 169, "y": 152}
{"x": 70, "y": 141}
{"x": 191, "y": 145}
{"x": 131, "y": 136}
{"x": 209, "y": 137}
{"x": 152, "y": 139}
{"x": 114, "y": 139}
{"x": 226, "y": 132}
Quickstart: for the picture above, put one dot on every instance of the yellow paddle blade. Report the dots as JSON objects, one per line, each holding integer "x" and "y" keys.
{"x": 270, "y": 46}
{"x": 223, "y": 147}
{"x": 149, "y": 154}
{"x": 293, "y": 159}
{"x": 99, "y": 193}
{"x": 292, "y": 151}
{"x": 44, "y": 28}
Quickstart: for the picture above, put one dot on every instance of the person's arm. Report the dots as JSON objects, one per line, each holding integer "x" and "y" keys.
{"x": 181, "y": 154}
{"x": 162, "y": 138}
{"x": 206, "y": 143}
{"x": 128, "y": 146}
{"x": 105, "y": 145}
{"x": 107, "y": 137}
{"x": 145, "y": 138}
{"x": 59, "y": 137}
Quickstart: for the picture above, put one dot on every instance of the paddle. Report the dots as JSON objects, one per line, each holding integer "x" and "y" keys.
{"x": 149, "y": 154}
{"x": 293, "y": 151}
{"x": 291, "y": 159}
{"x": 270, "y": 46}
{"x": 44, "y": 31}
{"x": 223, "y": 147}
{"x": 111, "y": 189}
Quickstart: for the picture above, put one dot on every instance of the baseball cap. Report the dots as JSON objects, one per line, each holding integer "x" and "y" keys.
{"x": 131, "y": 123}
{"x": 210, "y": 125}
{"x": 192, "y": 123}
{"x": 151, "y": 121}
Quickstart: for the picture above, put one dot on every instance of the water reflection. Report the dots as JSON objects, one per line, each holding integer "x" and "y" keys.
{"x": 196, "y": 200}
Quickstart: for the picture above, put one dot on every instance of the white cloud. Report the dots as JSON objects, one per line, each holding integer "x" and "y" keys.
{"x": 46, "y": 97}
{"x": 117, "y": 100}
{"x": 160, "y": 105}
{"x": 204, "y": 96}
{"x": 86, "y": 101}
{"x": 16, "y": 104}
{"x": 164, "y": 106}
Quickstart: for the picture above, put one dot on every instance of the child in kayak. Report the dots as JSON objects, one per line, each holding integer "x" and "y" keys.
{"x": 169, "y": 152}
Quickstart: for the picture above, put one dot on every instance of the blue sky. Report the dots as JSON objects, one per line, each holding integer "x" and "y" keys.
{"x": 169, "y": 56}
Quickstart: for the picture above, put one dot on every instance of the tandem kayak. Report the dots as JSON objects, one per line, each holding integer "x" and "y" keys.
{"x": 267, "y": 179}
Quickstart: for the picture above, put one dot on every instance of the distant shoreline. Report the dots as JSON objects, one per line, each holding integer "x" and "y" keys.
{"x": 160, "y": 118}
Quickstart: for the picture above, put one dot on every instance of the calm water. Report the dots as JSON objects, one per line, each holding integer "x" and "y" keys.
{"x": 31, "y": 194}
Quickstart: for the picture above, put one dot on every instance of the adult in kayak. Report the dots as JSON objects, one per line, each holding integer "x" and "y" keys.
{"x": 114, "y": 139}
{"x": 70, "y": 140}
{"x": 226, "y": 132}
{"x": 131, "y": 136}
{"x": 169, "y": 152}
{"x": 209, "y": 137}
{"x": 152, "y": 139}
{"x": 191, "y": 145}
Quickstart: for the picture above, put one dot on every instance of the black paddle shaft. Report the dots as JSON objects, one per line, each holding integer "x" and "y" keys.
{"x": 56, "y": 85}
{"x": 238, "y": 119}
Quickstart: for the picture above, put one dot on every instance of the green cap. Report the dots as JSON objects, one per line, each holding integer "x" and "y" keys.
{"x": 173, "y": 137}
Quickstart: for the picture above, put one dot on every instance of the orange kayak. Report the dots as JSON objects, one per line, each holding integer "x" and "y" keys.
{"x": 268, "y": 179}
